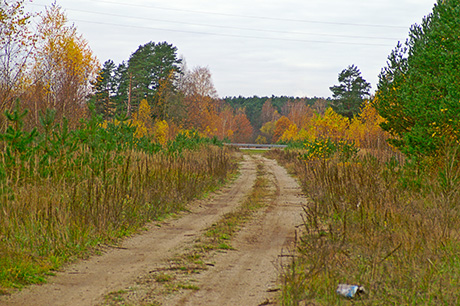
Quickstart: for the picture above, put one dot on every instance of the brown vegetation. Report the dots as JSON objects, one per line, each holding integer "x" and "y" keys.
{"x": 372, "y": 222}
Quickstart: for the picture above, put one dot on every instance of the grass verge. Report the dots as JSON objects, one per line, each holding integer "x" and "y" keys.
{"x": 46, "y": 222}
{"x": 367, "y": 223}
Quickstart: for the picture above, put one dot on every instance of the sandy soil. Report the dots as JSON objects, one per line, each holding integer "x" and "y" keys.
{"x": 244, "y": 276}
{"x": 249, "y": 275}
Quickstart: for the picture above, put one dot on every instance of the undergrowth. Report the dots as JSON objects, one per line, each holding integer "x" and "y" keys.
{"x": 64, "y": 193}
{"x": 376, "y": 223}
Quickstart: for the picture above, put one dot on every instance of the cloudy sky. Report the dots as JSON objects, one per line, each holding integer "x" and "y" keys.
{"x": 254, "y": 47}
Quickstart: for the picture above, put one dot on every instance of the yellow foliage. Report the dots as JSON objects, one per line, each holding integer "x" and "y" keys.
{"x": 142, "y": 120}
{"x": 356, "y": 131}
{"x": 268, "y": 128}
{"x": 365, "y": 129}
{"x": 331, "y": 125}
{"x": 63, "y": 62}
{"x": 144, "y": 113}
{"x": 141, "y": 129}
{"x": 261, "y": 139}
{"x": 210, "y": 131}
{"x": 306, "y": 134}
{"x": 290, "y": 133}
{"x": 116, "y": 122}
{"x": 161, "y": 131}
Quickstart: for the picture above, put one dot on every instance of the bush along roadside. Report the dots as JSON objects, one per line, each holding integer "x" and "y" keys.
{"x": 62, "y": 192}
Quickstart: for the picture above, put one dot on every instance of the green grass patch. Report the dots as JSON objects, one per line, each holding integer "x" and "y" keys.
{"x": 163, "y": 277}
{"x": 188, "y": 287}
{"x": 221, "y": 232}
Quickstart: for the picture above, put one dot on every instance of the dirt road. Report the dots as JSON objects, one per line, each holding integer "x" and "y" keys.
{"x": 244, "y": 276}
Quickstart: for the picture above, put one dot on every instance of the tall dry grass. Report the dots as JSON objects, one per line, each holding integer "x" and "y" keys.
{"x": 372, "y": 221}
{"x": 62, "y": 192}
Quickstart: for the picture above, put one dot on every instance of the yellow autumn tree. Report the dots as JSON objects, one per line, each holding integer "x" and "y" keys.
{"x": 356, "y": 132}
{"x": 290, "y": 134}
{"x": 17, "y": 43}
{"x": 365, "y": 128}
{"x": 161, "y": 131}
{"x": 331, "y": 125}
{"x": 261, "y": 139}
{"x": 63, "y": 67}
{"x": 268, "y": 129}
{"x": 142, "y": 120}
{"x": 306, "y": 134}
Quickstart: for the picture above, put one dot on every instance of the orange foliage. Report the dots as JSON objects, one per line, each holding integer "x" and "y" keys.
{"x": 205, "y": 111}
{"x": 365, "y": 129}
{"x": 307, "y": 117}
{"x": 227, "y": 122}
{"x": 296, "y": 111}
{"x": 201, "y": 101}
{"x": 281, "y": 126}
{"x": 242, "y": 129}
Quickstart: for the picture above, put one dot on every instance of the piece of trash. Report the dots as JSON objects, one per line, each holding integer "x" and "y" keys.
{"x": 350, "y": 291}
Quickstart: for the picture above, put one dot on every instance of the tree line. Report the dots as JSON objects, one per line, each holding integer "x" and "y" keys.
{"x": 53, "y": 67}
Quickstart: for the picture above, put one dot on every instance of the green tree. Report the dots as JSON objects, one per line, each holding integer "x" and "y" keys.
{"x": 121, "y": 80}
{"x": 104, "y": 90}
{"x": 419, "y": 91}
{"x": 350, "y": 93}
{"x": 148, "y": 67}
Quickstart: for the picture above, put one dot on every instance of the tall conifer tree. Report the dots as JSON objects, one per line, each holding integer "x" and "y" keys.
{"x": 419, "y": 90}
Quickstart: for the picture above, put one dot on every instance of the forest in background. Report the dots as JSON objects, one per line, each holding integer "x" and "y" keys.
{"x": 51, "y": 66}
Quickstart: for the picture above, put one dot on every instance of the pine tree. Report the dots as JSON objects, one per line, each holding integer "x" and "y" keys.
{"x": 351, "y": 93}
{"x": 419, "y": 91}
{"x": 148, "y": 67}
{"x": 105, "y": 90}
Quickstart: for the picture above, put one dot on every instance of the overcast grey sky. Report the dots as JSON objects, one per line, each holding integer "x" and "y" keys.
{"x": 254, "y": 47}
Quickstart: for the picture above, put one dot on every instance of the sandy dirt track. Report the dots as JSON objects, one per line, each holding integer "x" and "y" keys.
{"x": 245, "y": 276}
